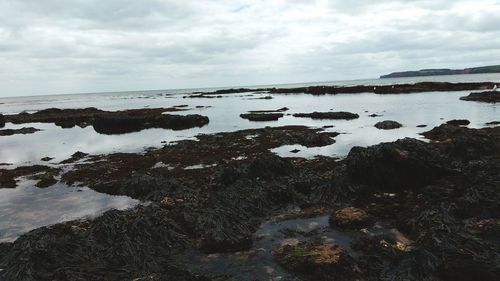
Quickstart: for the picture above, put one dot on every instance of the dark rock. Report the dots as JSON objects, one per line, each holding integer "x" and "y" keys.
{"x": 493, "y": 123}
{"x": 2, "y": 121}
{"x": 374, "y": 115}
{"x": 116, "y": 122}
{"x": 328, "y": 115}
{"x": 47, "y": 159}
{"x": 458, "y": 122}
{"x": 75, "y": 157}
{"x": 488, "y": 96}
{"x": 295, "y": 151}
{"x": 283, "y": 109}
{"x": 404, "y": 164}
{"x": 388, "y": 125}
{"x": 262, "y": 116}
{"x": 270, "y": 165}
{"x": 45, "y": 180}
{"x": 22, "y": 131}
{"x": 319, "y": 262}
{"x": 421, "y": 126}
{"x": 349, "y": 217}
{"x": 386, "y": 89}
{"x": 464, "y": 143}
{"x": 130, "y": 123}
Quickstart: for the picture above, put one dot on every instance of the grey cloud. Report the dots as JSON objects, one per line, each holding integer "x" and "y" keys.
{"x": 58, "y": 46}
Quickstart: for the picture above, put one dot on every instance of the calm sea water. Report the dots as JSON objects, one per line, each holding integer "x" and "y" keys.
{"x": 28, "y": 207}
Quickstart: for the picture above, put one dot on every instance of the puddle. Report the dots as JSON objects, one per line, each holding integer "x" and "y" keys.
{"x": 199, "y": 166}
{"x": 258, "y": 263}
{"x": 27, "y": 207}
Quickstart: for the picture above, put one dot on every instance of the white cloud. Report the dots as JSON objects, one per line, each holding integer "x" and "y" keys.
{"x": 57, "y": 46}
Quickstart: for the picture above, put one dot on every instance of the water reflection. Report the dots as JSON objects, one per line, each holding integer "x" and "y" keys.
{"x": 28, "y": 207}
{"x": 431, "y": 109}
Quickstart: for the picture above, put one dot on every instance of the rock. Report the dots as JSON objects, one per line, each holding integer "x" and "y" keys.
{"x": 464, "y": 143}
{"x": 295, "y": 151}
{"x": 2, "y": 121}
{"x": 270, "y": 165}
{"x": 121, "y": 124}
{"x": 388, "y": 125}
{"x": 349, "y": 217}
{"x": 45, "y": 180}
{"x": 404, "y": 164}
{"x": 493, "y": 123}
{"x": 488, "y": 96}
{"x": 283, "y": 109}
{"x": 374, "y": 115}
{"x": 421, "y": 126}
{"x": 262, "y": 116}
{"x": 328, "y": 115}
{"x": 458, "y": 122}
{"x": 111, "y": 122}
{"x": 75, "y": 157}
{"x": 22, "y": 131}
{"x": 169, "y": 202}
{"x": 47, "y": 159}
{"x": 318, "y": 261}
{"x": 386, "y": 89}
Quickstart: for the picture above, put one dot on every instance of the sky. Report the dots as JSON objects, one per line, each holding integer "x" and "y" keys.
{"x": 75, "y": 46}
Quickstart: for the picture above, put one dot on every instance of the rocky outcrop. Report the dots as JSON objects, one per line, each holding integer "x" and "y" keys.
{"x": 328, "y": 115}
{"x": 121, "y": 124}
{"x": 2, "y": 121}
{"x": 112, "y": 122}
{"x": 458, "y": 122}
{"x": 488, "y": 96}
{"x": 388, "y": 125}
{"x": 406, "y": 163}
{"x": 261, "y": 116}
{"x": 22, "y": 131}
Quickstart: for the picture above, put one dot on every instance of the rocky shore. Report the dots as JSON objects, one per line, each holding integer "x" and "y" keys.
{"x": 377, "y": 89}
{"x": 112, "y": 122}
{"x": 405, "y": 210}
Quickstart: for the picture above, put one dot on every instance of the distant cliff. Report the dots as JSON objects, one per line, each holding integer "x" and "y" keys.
{"x": 433, "y": 72}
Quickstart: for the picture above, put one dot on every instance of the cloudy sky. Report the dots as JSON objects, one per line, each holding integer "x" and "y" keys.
{"x": 72, "y": 46}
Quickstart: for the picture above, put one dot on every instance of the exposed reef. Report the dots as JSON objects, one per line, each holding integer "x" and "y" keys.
{"x": 328, "y": 115}
{"x": 22, "y": 131}
{"x": 488, "y": 96}
{"x": 112, "y": 122}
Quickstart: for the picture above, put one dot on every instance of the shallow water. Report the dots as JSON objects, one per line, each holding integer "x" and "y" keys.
{"x": 28, "y": 207}
{"x": 431, "y": 109}
{"x": 258, "y": 262}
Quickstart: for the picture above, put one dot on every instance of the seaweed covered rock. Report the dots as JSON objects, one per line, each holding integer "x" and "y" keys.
{"x": 406, "y": 163}
{"x": 270, "y": 165}
{"x": 465, "y": 143}
{"x": 261, "y": 116}
{"x": 22, "y": 131}
{"x": 2, "y": 121}
{"x": 458, "y": 122}
{"x": 328, "y": 115}
{"x": 388, "y": 125}
{"x": 112, "y": 122}
{"x": 349, "y": 217}
{"x": 121, "y": 124}
{"x": 318, "y": 261}
{"x": 116, "y": 246}
{"x": 488, "y": 96}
